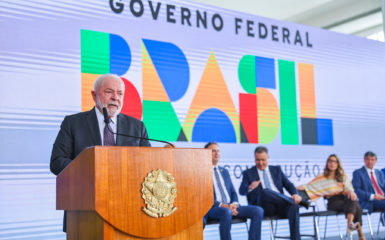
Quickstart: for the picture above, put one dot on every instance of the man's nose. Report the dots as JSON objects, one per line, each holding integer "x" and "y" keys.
{"x": 114, "y": 96}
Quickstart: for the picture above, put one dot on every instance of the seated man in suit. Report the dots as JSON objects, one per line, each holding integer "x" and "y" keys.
{"x": 86, "y": 129}
{"x": 263, "y": 185}
{"x": 226, "y": 201}
{"x": 369, "y": 184}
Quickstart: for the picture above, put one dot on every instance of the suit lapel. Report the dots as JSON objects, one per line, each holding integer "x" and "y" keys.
{"x": 94, "y": 127}
{"x": 274, "y": 176}
{"x": 255, "y": 174}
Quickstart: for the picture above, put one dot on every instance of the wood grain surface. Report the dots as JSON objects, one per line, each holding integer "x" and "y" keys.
{"x": 115, "y": 176}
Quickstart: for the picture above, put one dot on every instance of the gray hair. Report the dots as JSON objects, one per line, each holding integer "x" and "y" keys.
{"x": 99, "y": 81}
{"x": 261, "y": 149}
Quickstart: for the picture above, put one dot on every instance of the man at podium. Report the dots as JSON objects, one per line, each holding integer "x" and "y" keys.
{"x": 226, "y": 201}
{"x": 87, "y": 129}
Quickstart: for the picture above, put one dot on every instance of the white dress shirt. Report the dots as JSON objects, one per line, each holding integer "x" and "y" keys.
{"x": 260, "y": 173}
{"x": 102, "y": 124}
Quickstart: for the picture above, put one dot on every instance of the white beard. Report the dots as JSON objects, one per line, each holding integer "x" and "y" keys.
{"x": 110, "y": 113}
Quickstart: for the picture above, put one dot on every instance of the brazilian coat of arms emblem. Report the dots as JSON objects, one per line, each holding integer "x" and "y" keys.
{"x": 159, "y": 193}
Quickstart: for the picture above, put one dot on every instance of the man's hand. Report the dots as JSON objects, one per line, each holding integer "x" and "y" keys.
{"x": 351, "y": 195}
{"x": 379, "y": 197}
{"x": 297, "y": 199}
{"x": 253, "y": 185}
{"x": 233, "y": 207}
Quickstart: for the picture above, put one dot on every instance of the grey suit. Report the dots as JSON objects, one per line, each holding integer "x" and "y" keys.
{"x": 81, "y": 130}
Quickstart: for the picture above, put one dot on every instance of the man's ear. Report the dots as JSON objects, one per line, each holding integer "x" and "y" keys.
{"x": 93, "y": 93}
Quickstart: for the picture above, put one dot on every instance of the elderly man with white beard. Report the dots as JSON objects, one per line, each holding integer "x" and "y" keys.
{"x": 86, "y": 129}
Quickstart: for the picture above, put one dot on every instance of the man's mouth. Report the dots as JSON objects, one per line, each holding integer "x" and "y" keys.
{"x": 112, "y": 105}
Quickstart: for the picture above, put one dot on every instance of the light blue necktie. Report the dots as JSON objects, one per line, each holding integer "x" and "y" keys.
{"x": 221, "y": 190}
{"x": 266, "y": 180}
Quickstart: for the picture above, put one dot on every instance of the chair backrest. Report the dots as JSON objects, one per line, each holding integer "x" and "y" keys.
{"x": 234, "y": 220}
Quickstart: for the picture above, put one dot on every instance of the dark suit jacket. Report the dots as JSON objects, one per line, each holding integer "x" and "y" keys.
{"x": 364, "y": 188}
{"x": 81, "y": 130}
{"x": 229, "y": 187}
{"x": 279, "y": 179}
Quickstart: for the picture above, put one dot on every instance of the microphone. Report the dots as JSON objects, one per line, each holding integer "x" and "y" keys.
{"x": 107, "y": 121}
{"x": 105, "y": 114}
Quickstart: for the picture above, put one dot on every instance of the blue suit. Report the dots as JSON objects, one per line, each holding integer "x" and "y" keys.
{"x": 364, "y": 188}
{"x": 225, "y": 215}
{"x": 273, "y": 203}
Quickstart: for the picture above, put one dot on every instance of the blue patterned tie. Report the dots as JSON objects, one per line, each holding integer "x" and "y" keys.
{"x": 109, "y": 139}
{"x": 266, "y": 180}
{"x": 221, "y": 190}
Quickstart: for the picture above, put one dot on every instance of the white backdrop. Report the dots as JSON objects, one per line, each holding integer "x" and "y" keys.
{"x": 41, "y": 69}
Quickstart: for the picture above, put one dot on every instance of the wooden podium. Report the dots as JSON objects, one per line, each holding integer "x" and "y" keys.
{"x": 101, "y": 192}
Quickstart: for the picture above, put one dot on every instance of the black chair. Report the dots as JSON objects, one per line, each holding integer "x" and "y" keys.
{"x": 327, "y": 213}
{"x": 316, "y": 216}
{"x": 366, "y": 212}
{"x": 273, "y": 229}
{"x": 382, "y": 215}
{"x": 311, "y": 213}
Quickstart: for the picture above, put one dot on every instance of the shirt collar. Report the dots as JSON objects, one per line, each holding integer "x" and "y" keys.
{"x": 267, "y": 168}
{"x": 100, "y": 116}
{"x": 368, "y": 170}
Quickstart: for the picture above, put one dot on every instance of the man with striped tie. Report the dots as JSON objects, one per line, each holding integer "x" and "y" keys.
{"x": 226, "y": 201}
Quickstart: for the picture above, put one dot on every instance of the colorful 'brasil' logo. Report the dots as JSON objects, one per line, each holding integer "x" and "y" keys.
{"x": 212, "y": 114}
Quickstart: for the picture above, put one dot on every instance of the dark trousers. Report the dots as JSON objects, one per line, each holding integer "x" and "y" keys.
{"x": 275, "y": 204}
{"x": 379, "y": 205}
{"x": 303, "y": 195}
{"x": 341, "y": 203}
{"x": 224, "y": 215}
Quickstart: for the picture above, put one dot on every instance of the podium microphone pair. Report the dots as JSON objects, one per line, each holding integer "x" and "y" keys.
{"x": 107, "y": 121}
